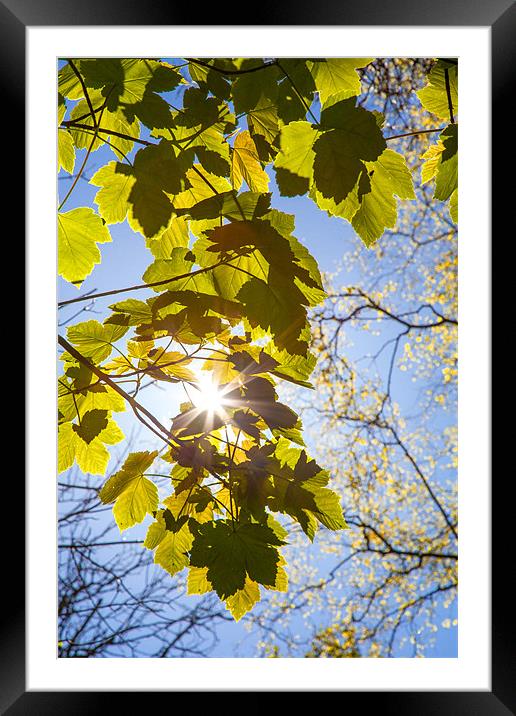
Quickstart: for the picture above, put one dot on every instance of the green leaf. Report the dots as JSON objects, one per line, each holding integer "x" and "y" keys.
{"x": 157, "y": 174}
{"x": 295, "y": 161}
{"x": 175, "y": 236}
{"x": 337, "y": 75}
{"x": 299, "y": 490}
{"x": 248, "y": 90}
{"x": 454, "y": 206}
{"x": 130, "y": 312}
{"x": 446, "y": 181}
{"x": 155, "y": 533}
{"x": 434, "y": 96}
{"x": 389, "y": 175}
{"x": 262, "y": 121}
{"x": 278, "y": 307}
{"x": 179, "y": 263}
{"x": 92, "y": 423}
{"x": 92, "y": 458}
{"x": 122, "y": 82}
{"x": 231, "y": 554}
{"x": 94, "y": 340}
{"x": 341, "y": 151}
{"x": 102, "y": 397}
{"x": 296, "y": 89}
{"x": 79, "y": 232}
{"x": 115, "y": 121}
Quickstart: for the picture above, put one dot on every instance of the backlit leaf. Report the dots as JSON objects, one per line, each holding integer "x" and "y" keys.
{"x": 79, "y": 232}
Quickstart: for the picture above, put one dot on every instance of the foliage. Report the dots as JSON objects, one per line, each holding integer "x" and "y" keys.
{"x": 385, "y": 418}
{"x": 105, "y": 608}
{"x": 232, "y": 288}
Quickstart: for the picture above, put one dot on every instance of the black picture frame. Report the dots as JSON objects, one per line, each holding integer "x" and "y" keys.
{"x": 500, "y": 16}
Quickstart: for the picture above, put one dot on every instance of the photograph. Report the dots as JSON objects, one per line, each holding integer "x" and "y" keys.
{"x": 257, "y": 357}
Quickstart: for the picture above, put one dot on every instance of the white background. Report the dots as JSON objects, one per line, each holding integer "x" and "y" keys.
{"x": 471, "y": 670}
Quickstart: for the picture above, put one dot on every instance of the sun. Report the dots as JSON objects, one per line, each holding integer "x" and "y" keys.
{"x": 206, "y": 394}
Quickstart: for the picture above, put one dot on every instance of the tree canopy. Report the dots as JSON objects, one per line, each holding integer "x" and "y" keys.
{"x": 195, "y": 143}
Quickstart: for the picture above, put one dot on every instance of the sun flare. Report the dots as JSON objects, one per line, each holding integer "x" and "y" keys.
{"x": 206, "y": 394}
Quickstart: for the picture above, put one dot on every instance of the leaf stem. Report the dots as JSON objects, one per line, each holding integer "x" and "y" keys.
{"x": 448, "y": 94}
{"x": 412, "y": 134}
{"x": 232, "y": 72}
{"x": 137, "y": 287}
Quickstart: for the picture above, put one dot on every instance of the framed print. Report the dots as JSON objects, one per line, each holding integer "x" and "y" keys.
{"x": 208, "y": 176}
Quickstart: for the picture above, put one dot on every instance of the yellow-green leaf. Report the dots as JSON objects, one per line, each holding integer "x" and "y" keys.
{"x": 435, "y": 97}
{"x": 244, "y": 599}
{"x": 65, "y": 151}
{"x": 245, "y": 164}
{"x": 79, "y": 232}
{"x": 338, "y": 75}
{"x": 95, "y": 340}
{"x": 171, "y": 553}
{"x": 197, "y": 582}
{"x": 138, "y": 499}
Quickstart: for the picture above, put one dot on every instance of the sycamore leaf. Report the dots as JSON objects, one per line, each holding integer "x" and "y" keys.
{"x": 296, "y": 89}
{"x": 172, "y": 551}
{"x": 130, "y": 312}
{"x": 91, "y": 457}
{"x": 115, "y": 121}
{"x": 175, "y": 236}
{"x": 180, "y": 262}
{"x": 454, "y": 206}
{"x": 133, "y": 494}
{"x": 337, "y": 75}
{"x": 244, "y": 599}
{"x": 245, "y": 164}
{"x": 232, "y": 553}
{"x": 277, "y": 307}
{"x": 94, "y": 340}
{"x": 389, "y": 175}
{"x": 115, "y": 189}
{"x": 441, "y": 163}
{"x": 79, "y": 232}
{"x": 352, "y": 138}
{"x": 65, "y": 151}
{"x": 65, "y": 447}
{"x": 203, "y": 186}
{"x": 197, "y": 582}
{"x": 295, "y": 161}
{"x": 446, "y": 180}
{"x": 435, "y": 97}
{"x": 155, "y": 533}
{"x": 122, "y": 81}
{"x": 249, "y": 89}
{"x": 138, "y": 499}
{"x": 262, "y": 121}
{"x": 103, "y": 397}
{"x": 92, "y": 423}
{"x": 134, "y": 466}
{"x": 142, "y": 191}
